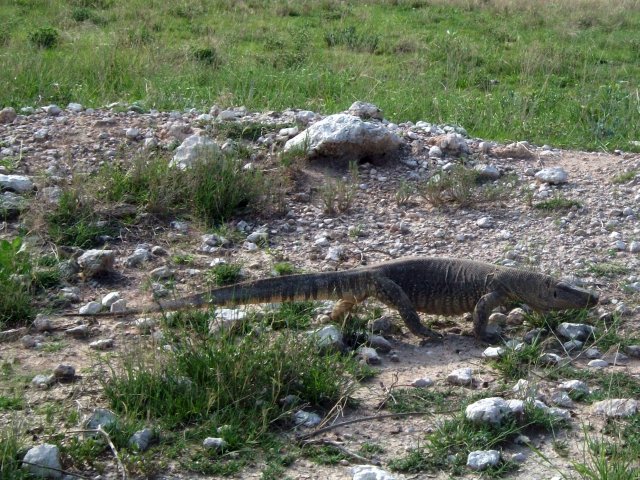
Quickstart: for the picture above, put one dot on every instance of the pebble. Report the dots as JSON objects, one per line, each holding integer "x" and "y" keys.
{"x": 103, "y": 344}
{"x": 214, "y": 443}
{"x": 482, "y": 459}
{"x": 461, "y": 376}
{"x": 42, "y": 459}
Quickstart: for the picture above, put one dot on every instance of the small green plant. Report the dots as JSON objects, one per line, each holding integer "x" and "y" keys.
{"x": 15, "y": 284}
{"x": 517, "y": 363}
{"x": 291, "y": 315}
{"x": 350, "y": 38}
{"x": 403, "y": 193}
{"x": 44, "y": 37}
{"x": 10, "y": 403}
{"x": 557, "y": 203}
{"x": 11, "y": 449}
{"x": 75, "y": 222}
{"x": 625, "y": 177}
{"x": 420, "y": 400}
{"x": 607, "y": 269}
{"x": 183, "y": 259}
{"x": 207, "y": 56}
{"x": 337, "y": 196}
{"x": 284, "y": 268}
{"x": 224, "y": 273}
{"x": 607, "y": 460}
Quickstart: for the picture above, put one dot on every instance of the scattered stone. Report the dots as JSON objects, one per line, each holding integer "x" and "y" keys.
{"x": 29, "y": 341}
{"x": 553, "y": 175}
{"x": 43, "y": 381}
{"x": 370, "y": 472}
{"x": 139, "y": 256}
{"x": 214, "y": 443}
{"x": 16, "y": 183}
{"x": 328, "y": 337}
{"x": 365, "y": 110}
{"x": 453, "y": 144}
{"x": 592, "y": 353}
{"x": 493, "y": 352}
{"x": 368, "y": 355}
{"x": 75, "y": 107}
{"x": 42, "y": 323}
{"x": 575, "y": 331}
{"x": 380, "y": 343}
{"x": 11, "y": 205}
{"x": 110, "y": 298}
{"x": 524, "y": 389}
{"x": 306, "y": 419}
{"x": 483, "y": 459}
{"x": 100, "y": 417}
{"x": 488, "y": 410}
{"x": 572, "y": 345}
{"x": 141, "y": 440}
{"x": 12, "y": 334}
{"x": 90, "y": 308}
{"x": 192, "y": 149}
{"x": 422, "y": 382}
{"x": 40, "y": 460}
{"x": 487, "y": 172}
{"x": 616, "y": 407}
{"x": 461, "y": 376}
{"x": 81, "y": 331}
{"x": 145, "y": 325}
{"x": 598, "y": 363}
{"x": 119, "y": 306}
{"x": 550, "y": 359}
{"x": 617, "y": 358}
{"x": 346, "y": 136}
{"x": 485, "y": 222}
{"x": 633, "y": 351}
{"x": 534, "y": 335}
{"x": 52, "y": 110}
{"x": 103, "y": 344}
{"x": 562, "y": 399}
{"x": 161, "y": 273}
{"x": 97, "y": 262}
{"x": 7, "y": 115}
{"x": 574, "y": 386}
{"x": 385, "y": 325}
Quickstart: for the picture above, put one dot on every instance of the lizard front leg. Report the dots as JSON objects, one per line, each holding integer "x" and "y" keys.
{"x": 481, "y": 315}
{"x": 390, "y": 293}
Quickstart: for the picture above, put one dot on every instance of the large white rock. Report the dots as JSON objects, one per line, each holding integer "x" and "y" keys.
{"x": 345, "y": 136}
{"x": 16, "y": 183}
{"x": 95, "y": 262}
{"x": 461, "y": 376}
{"x": 488, "y": 410}
{"x": 616, "y": 407}
{"x": 193, "y": 148}
{"x": 552, "y": 175}
{"x": 370, "y": 472}
{"x": 483, "y": 459}
{"x": 41, "y": 457}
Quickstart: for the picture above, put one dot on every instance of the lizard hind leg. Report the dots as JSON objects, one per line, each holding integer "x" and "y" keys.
{"x": 342, "y": 309}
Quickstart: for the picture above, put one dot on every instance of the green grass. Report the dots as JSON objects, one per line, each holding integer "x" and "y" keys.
{"x": 11, "y": 452}
{"x": 224, "y": 273}
{"x": 15, "y": 285}
{"x": 625, "y": 177}
{"x": 607, "y": 269}
{"x": 227, "y": 386}
{"x": 558, "y": 203}
{"x": 550, "y": 72}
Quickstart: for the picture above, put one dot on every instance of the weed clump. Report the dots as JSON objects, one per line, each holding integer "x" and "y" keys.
{"x": 44, "y": 37}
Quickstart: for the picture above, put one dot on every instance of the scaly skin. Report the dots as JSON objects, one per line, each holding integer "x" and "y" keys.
{"x": 443, "y": 286}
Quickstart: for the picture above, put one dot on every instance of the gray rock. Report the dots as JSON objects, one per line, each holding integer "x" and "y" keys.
{"x": 30, "y": 341}
{"x": 453, "y": 144}
{"x": 118, "y": 306}
{"x": 346, "y": 136}
{"x": 141, "y": 440}
{"x": 370, "y": 472}
{"x": 617, "y": 358}
{"x": 616, "y": 407}
{"x": 574, "y": 386}
{"x": 12, "y": 334}
{"x": 422, "y": 382}
{"x": 303, "y": 418}
{"x": 139, "y": 256}
{"x": 382, "y": 325}
{"x": 81, "y": 331}
{"x": 97, "y": 262}
{"x": 43, "y": 381}
{"x": 161, "y": 273}
{"x": 575, "y": 331}
{"x": 145, "y": 325}
{"x": 110, "y": 298}
{"x": 52, "y": 110}
{"x": 487, "y": 172}
{"x": 103, "y": 344}
{"x": 634, "y": 247}
{"x": 328, "y": 337}
{"x": 549, "y": 359}
{"x": 368, "y": 355}
{"x": 41, "y": 134}
{"x": 41, "y": 459}
{"x": 258, "y": 237}
{"x": 192, "y": 149}
{"x": 553, "y": 175}
{"x": 461, "y": 376}
{"x": 214, "y": 443}
{"x": 485, "y": 222}
{"x": 633, "y": 351}
{"x": 42, "y": 323}
{"x": 524, "y": 389}
{"x": 11, "y": 205}
{"x": 488, "y": 410}
{"x": 483, "y": 459}
{"x": 598, "y": 363}
{"x": 572, "y": 345}
{"x": 561, "y": 399}
{"x": 90, "y": 308}
{"x": 16, "y": 183}
{"x": 380, "y": 343}
{"x": 101, "y": 417}
{"x": 75, "y": 107}
{"x": 592, "y": 353}
{"x": 533, "y": 335}
{"x": 493, "y": 352}
{"x": 7, "y": 115}
{"x": 132, "y": 133}
{"x": 365, "y": 110}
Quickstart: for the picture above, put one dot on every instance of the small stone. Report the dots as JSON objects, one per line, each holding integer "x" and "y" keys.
{"x": 616, "y": 407}
{"x": 141, "y": 440}
{"x": 493, "y": 352}
{"x": 485, "y": 222}
{"x": 328, "y": 337}
{"x": 306, "y": 419}
{"x": 553, "y": 175}
{"x": 161, "y": 273}
{"x": 90, "y": 308}
{"x": 562, "y": 399}
{"x": 524, "y": 389}
{"x": 110, "y": 298}
{"x": 575, "y": 331}
{"x": 534, "y": 335}
{"x": 52, "y": 110}
{"x": 592, "y": 353}
{"x": 461, "y": 376}
{"x": 145, "y": 325}
{"x": 12, "y": 334}
{"x": 572, "y": 345}
{"x": 81, "y": 331}
{"x": 518, "y": 457}
{"x": 574, "y": 386}
{"x": 370, "y": 472}
{"x": 97, "y": 262}
{"x": 118, "y": 306}
{"x": 617, "y": 358}
{"x": 43, "y": 381}
{"x": 64, "y": 372}
{"x": 103, "y": 344}
{"x": 482, "y": 459}
{"x": 368, "y": 355}
{"x": 634, "y": 247}
{"x": 488, "y": 410}
{"x": 423, "y": 382}
{"x": 132, "y": 133}
{"x": 633, "y": 351}
{"x": 550, "y": 359}
{"x": 75, "y": 107}
{"x": 40, "y": 460}
{"x": 7, "y": 115}
{"x": 598, "y": 363}
{"x": 101, "y": 417}
{"x": 214, "y": 443}
{"x": 516, "y": 316}
{"x": 380, "y": 343}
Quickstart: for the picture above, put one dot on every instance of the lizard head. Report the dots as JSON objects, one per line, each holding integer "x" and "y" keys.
{"x": 559, "y": 295}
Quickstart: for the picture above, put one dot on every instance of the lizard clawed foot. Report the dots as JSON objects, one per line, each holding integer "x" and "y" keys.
{"x": 428, "y": 335}
{"x": 492, "y": 338}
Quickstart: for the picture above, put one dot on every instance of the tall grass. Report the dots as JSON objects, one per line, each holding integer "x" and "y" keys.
{"x": 551, "y": 72}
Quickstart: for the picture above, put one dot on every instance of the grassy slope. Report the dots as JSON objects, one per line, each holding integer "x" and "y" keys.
{"x": 552, "y": 72}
